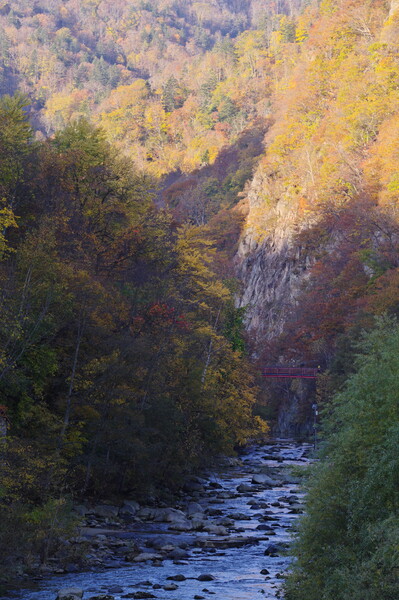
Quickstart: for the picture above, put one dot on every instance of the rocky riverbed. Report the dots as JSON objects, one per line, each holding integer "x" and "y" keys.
{"x": 227, "y": 537}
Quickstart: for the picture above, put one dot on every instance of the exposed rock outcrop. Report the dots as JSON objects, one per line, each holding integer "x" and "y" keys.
{"x": 270, "y": 263}
{"x": 273, "y": 268}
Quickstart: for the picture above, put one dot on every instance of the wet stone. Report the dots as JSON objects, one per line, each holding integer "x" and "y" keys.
{"x": 170, "y": 587}
{"x": 214, "y": 512}
{"x": 140, "y": 595}
{"x": 271, "y": 550}
{"x": 206, "y": 577}
{"x": 245, "y": 488}
{"x": 177, "y": 554}
{"x": 70, "y": 594}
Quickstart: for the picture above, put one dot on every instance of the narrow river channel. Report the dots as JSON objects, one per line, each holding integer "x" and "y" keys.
{"x": 234, "y": 547}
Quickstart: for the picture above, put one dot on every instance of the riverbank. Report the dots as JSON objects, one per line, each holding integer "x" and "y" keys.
{"x": 227, "y": 535}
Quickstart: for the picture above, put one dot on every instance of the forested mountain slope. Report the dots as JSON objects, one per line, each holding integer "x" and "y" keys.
{"x": 330, "y": 153}
{"x": 321, "y": 234}
{"x": 171, "y": 82}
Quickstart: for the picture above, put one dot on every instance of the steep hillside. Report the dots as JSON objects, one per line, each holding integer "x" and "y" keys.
{"x": 330, "y": 153}
{"x": 321, "y": 232}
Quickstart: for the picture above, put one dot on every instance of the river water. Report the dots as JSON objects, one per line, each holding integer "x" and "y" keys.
{"x": 258, "y": 518}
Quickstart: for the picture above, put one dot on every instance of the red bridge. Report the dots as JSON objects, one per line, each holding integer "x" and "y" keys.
{"x": 290, "y": 372}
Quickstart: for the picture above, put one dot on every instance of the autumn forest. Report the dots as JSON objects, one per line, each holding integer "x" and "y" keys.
{"x": 189, "y": 191}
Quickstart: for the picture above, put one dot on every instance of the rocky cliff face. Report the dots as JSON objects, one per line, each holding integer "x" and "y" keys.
{"x": 273, "y": 267}
{"x": 270, "y": 263}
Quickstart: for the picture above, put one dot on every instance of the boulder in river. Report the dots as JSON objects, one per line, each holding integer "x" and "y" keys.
{"x": 244, "y": 487}
{"x": 129, "y": 509}
{"x": 264, "y": 527}
{"x": 226, "y": 522}
{"x": 194, "y": 508}
{"x": 296, "y": 509}
{"x": 70, "y": 594}
{"x": 181, "y": 525}
{"x": 144, "y": 556}
{"x": 226, "y": 495}
{"x": 263, "y": 479}
{"x": 239, "y": 516}
{"x": 291, "y": 480}
{"x": 157, "y": 542}
{"x": 168, "y": 515}
{"x": 146, "y": 513}
{"x": 106, "y": 511}
{"x": 198, "y": 524}
{"x": 178, "y": 577}
{"x": 177, "y": 554}
{"x": 206, "y": 577}
{"x": 216, "y": 529}
{"x": 170, "y": 587}
{"x": 275, "y": 549}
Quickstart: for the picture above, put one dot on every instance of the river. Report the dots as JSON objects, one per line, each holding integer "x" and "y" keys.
{"x": 244, "y": 562}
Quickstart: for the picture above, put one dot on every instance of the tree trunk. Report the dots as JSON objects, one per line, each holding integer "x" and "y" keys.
{"x": 72, "y": 379}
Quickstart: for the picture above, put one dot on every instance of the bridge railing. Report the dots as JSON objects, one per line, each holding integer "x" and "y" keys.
{"x": 290, "y": 372}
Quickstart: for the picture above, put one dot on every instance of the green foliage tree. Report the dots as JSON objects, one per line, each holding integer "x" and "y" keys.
{"x": 346, "y": 546}
{"x": 15, "y": 138}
